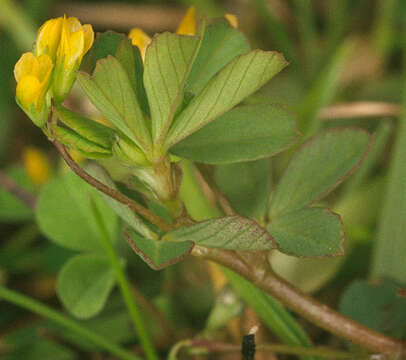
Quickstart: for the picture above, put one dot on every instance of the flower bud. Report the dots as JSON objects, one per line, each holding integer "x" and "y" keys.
{"x": 33, "y": 78}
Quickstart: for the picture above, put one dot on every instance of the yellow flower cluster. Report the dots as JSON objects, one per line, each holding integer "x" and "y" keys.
{"x": 49, "y": 71}
{"x": 187, "y": 26}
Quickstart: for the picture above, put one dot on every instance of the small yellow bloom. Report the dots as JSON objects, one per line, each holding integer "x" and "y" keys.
{"x": 140, "y": 39}
{"x": 232, "y": 19}
{"x": 75, "y": 41}
{"x": 36, "y": 164}
{"x": 188, "y": 24}
{"x": 48, "y": 37}
{"x": 32, "y": 75}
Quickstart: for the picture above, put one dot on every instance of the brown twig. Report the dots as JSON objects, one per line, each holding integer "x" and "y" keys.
{"x": 138, "y": 208}
{"x": 360, "y": 109}
{"x": 260, "y": 274}
{"x": 13, "y": 188}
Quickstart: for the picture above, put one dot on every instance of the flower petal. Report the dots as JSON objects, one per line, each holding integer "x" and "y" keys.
{"x": 232, "y": 19}
{"x": 48, "y": 37}
{"x": 45, "y": 67}
{"x": 28, "y": 90}
{"x": 188, "y": 24}
{"x": 26, "y": 65}
{"x": 140, "y": 39}
{"x": 73, "y": 24}
{"x": 76, "y": 46}
{"x": 89, "y": 37}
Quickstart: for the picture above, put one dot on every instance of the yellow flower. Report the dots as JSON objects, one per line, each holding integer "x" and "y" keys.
{"x": 232, "y": 19}
{"x": 74, "y": 42}
{"x": 36, "y": 164}
{"x": 32, "y": 75}
{"x": 48, "y": 37}
{"x": 140, "y": 39}
{"x": 188, "y": 24}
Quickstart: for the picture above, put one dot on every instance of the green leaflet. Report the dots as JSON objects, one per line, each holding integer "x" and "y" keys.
{"x": 87, "y": 128}
{"x": 230, "y": 232}
{"x": 158, "y": 254}
{"x": 118, "y": 45}
{"x": 87, "y": 148}
{"x": 85, "y": 296}
{"x": 319, "y": 165}
{"x": 220, "y": 44}
{"x": 309, "y": 232}
{"x": 376, "y": 305}
{"x": 238, "y": 79}
{"x": 130, "y": 57}
{"x": 111, "y": 92}
{"x": 244, "y": 133}
{"x": 68, "y": 219}
{"x": 105, "y": 44}
{"x": 168, "y": 61}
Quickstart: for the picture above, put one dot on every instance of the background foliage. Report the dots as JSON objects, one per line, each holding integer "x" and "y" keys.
{"x": 340, "y": 52}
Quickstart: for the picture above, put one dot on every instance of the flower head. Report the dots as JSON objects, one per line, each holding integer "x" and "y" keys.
{"x": 33, "y": 77}
{"x": 74, "y": 42}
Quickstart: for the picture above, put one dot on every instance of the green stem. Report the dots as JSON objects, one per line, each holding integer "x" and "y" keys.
{"x": 70, "y": 325}
{"x": 18, "y": 25}
{"x": 383, "y": 32}
{"x": 125, "y": 289}
{"x": 193, "y": 197}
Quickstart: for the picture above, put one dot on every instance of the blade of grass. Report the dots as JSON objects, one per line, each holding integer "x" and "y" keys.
{"x": 65, "y": 322}
{"x": 383, "y": 29}
{"x": 272, "y": 313}
{"x": 307, "y": 33}
{"x": 390, "y": 247}
{"x": 276, "y": 31}
{"x": 322, "y": 92}
{"x": 381, "y": 136}
{"x": 125, "y": 289}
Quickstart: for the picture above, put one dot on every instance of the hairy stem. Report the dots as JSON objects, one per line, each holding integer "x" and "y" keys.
{"x": 257, "y": 270}
{"x": 65, "y": 322}
{"x": 13, "y": 188}
{"x": 138, "y": 208}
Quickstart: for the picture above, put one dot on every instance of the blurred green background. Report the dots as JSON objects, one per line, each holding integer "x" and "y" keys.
{"x": 346, "y": 68}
